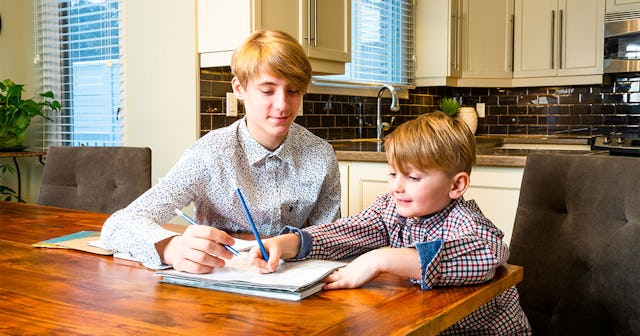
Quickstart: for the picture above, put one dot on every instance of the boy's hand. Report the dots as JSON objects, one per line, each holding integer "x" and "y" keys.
{"x": 280, "y": 247}
{"x": 403, "y": 262}
{"x": 198, "y": 250}
{"x": 360, "y": 271}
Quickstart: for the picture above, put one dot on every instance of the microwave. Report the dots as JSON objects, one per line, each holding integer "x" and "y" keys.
{"x": 622, "y": 43}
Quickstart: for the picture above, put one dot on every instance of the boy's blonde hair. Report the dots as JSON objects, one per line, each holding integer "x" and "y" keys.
{"x": 432, "y": 140}
{"x": 272, "y": 51}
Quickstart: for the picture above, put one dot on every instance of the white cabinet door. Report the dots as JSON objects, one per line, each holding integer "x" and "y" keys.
{"x": 367, "y": 180}
{"x": 496, "y": 190}
{"x": 582, "y": 37}
{"x": 487, "y": 36}
{"x": 438, "y": 29}
{"x": 464, "y": 42}
{"x": 221, "y": 29}
{"x": 322, "y": 27}
{"x": 344, "y": 188}
{"x": 558, "y": 38}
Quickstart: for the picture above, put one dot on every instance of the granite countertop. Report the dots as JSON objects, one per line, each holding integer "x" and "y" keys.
{"x": 499, "y": 151}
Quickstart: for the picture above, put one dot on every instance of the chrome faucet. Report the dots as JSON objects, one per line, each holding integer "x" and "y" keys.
{"x": 395, "y": 106}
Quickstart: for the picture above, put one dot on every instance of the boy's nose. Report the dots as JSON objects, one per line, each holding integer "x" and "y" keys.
{"x": 280, "y": 101}
{"x": 396, "y": 185}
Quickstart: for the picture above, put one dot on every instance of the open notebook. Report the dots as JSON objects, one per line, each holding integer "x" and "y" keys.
{"x": 293, "y": 280}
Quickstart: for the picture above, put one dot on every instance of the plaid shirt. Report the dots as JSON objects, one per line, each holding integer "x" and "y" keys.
{"x": 457, "y": 246}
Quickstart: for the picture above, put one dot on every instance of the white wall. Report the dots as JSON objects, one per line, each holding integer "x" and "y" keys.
{"x": 13, "y": 40}
{"x": 161, "y": 84}
{"x": 15, "y": 63}
{"x": 162, "y": 78}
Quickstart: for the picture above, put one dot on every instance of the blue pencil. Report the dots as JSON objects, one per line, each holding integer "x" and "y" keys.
{"x": 253, "y": 225}
{"x": 193, "y": 222}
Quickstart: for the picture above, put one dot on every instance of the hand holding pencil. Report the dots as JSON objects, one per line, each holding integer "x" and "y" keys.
{"x": 199, "y": 249}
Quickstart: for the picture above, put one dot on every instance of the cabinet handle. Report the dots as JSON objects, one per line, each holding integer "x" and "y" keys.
{"x": 308, "y": 37}
{"x": 560, "y": 39}
{"x": 513, "y": 34}
{"x": 455, "y": 40}
{"x": 553, "y": 38}
{"x": 315, "y": 23}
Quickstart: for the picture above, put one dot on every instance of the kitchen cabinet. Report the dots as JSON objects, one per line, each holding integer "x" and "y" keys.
{"x": 322, "y": 27}
{"x": 509, "y": 43}
{"x": 365, "y": 181}
{"x": 464, "y": 43}
{"x": 496, "y": 190}
{"x": 559, "y": 38}
{"x": 620, "y": 6}
{"x": 486, "y": 40}
{"x": 437, "y": 41}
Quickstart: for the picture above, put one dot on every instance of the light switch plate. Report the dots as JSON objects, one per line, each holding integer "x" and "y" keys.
{"x": 480, "y": 109}
{"x": 232, "y": 105}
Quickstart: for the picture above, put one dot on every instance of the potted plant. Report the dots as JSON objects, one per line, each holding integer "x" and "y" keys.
{"x": 449, "y": 106}
{"x": 468, "y": 115}
{"x": 7, "y": 193}
{"x": 16, "y": 113}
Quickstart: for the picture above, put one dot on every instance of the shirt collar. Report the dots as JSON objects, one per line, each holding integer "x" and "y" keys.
{"x": 255, "y": 152}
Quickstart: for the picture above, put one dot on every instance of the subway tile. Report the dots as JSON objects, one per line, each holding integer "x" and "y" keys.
{"x": 537, "y": 110}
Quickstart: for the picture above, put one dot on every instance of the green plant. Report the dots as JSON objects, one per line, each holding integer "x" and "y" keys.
{"x": 16, "y": 112}
{"x": 449, "y": 106}
{"x": 6, "y": 193}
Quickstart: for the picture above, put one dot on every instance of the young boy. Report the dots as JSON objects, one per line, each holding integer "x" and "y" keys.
{"x": 422, "y": 229}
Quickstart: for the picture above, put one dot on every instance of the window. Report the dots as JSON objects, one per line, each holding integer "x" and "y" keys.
{"x": 78, "y": 49}
{"x": 382, "y": 43}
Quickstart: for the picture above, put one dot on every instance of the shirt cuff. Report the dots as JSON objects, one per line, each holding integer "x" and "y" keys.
{"x": 427, "y": 251}
{"x": 305, "y": 241}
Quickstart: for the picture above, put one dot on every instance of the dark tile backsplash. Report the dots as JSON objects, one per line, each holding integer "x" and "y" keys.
{"x": 574, "y": 110}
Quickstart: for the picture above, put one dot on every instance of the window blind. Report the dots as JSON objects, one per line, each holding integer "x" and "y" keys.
{"x": 382, "y": 43}
{"x": 79, "y": 52}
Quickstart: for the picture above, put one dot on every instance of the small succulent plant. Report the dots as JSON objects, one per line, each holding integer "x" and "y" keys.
{"x": 449, "y": 106}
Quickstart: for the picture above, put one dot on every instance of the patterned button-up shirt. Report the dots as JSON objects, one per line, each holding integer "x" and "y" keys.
{"x": 457, "y": 246}
{"x": 298, "y": 184}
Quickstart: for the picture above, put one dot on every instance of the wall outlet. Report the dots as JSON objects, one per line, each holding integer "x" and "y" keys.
{"x": 300, "y": 109}
{"x": 232, "y": 105}
{"x": 480, "y": 109}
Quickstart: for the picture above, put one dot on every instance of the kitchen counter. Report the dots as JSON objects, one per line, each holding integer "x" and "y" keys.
{"x": 497, "y": 151}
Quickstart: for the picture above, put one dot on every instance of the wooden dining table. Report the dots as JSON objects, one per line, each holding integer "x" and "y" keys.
{"x": 60, "y": 291}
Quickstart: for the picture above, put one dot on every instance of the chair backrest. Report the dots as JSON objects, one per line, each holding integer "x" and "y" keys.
{"x": 101, "y": 179}
{"x": 577, "y": 234}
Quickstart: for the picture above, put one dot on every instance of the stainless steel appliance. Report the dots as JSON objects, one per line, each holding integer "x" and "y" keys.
{"x": 622, "y": 42}
{"x": 616, "y": 144}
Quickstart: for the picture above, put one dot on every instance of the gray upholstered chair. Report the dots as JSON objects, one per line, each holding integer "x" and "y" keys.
{"x": 577, "y": 234}
{"x": 101, "y": 179}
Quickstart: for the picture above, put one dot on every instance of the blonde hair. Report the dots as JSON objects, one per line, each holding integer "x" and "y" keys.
{"x": 432, "y": 140}
{"x": 272, "y": 51}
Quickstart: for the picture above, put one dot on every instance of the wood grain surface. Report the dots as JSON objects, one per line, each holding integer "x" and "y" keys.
{"x": 57, "y": 291}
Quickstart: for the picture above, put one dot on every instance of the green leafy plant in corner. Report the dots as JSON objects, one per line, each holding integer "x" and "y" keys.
{"x": 449, "y": 106}
{"x": 6, "y": 193}
{"x": 15, "y": 117}
{"x": 16, "y": 112}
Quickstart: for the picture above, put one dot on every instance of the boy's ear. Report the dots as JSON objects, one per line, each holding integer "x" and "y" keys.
{"x": 459, "y": 185}
{"x": 238, "y": 90}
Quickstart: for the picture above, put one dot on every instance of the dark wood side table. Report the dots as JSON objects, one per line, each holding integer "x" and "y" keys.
{"x": 15, "y": 155}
